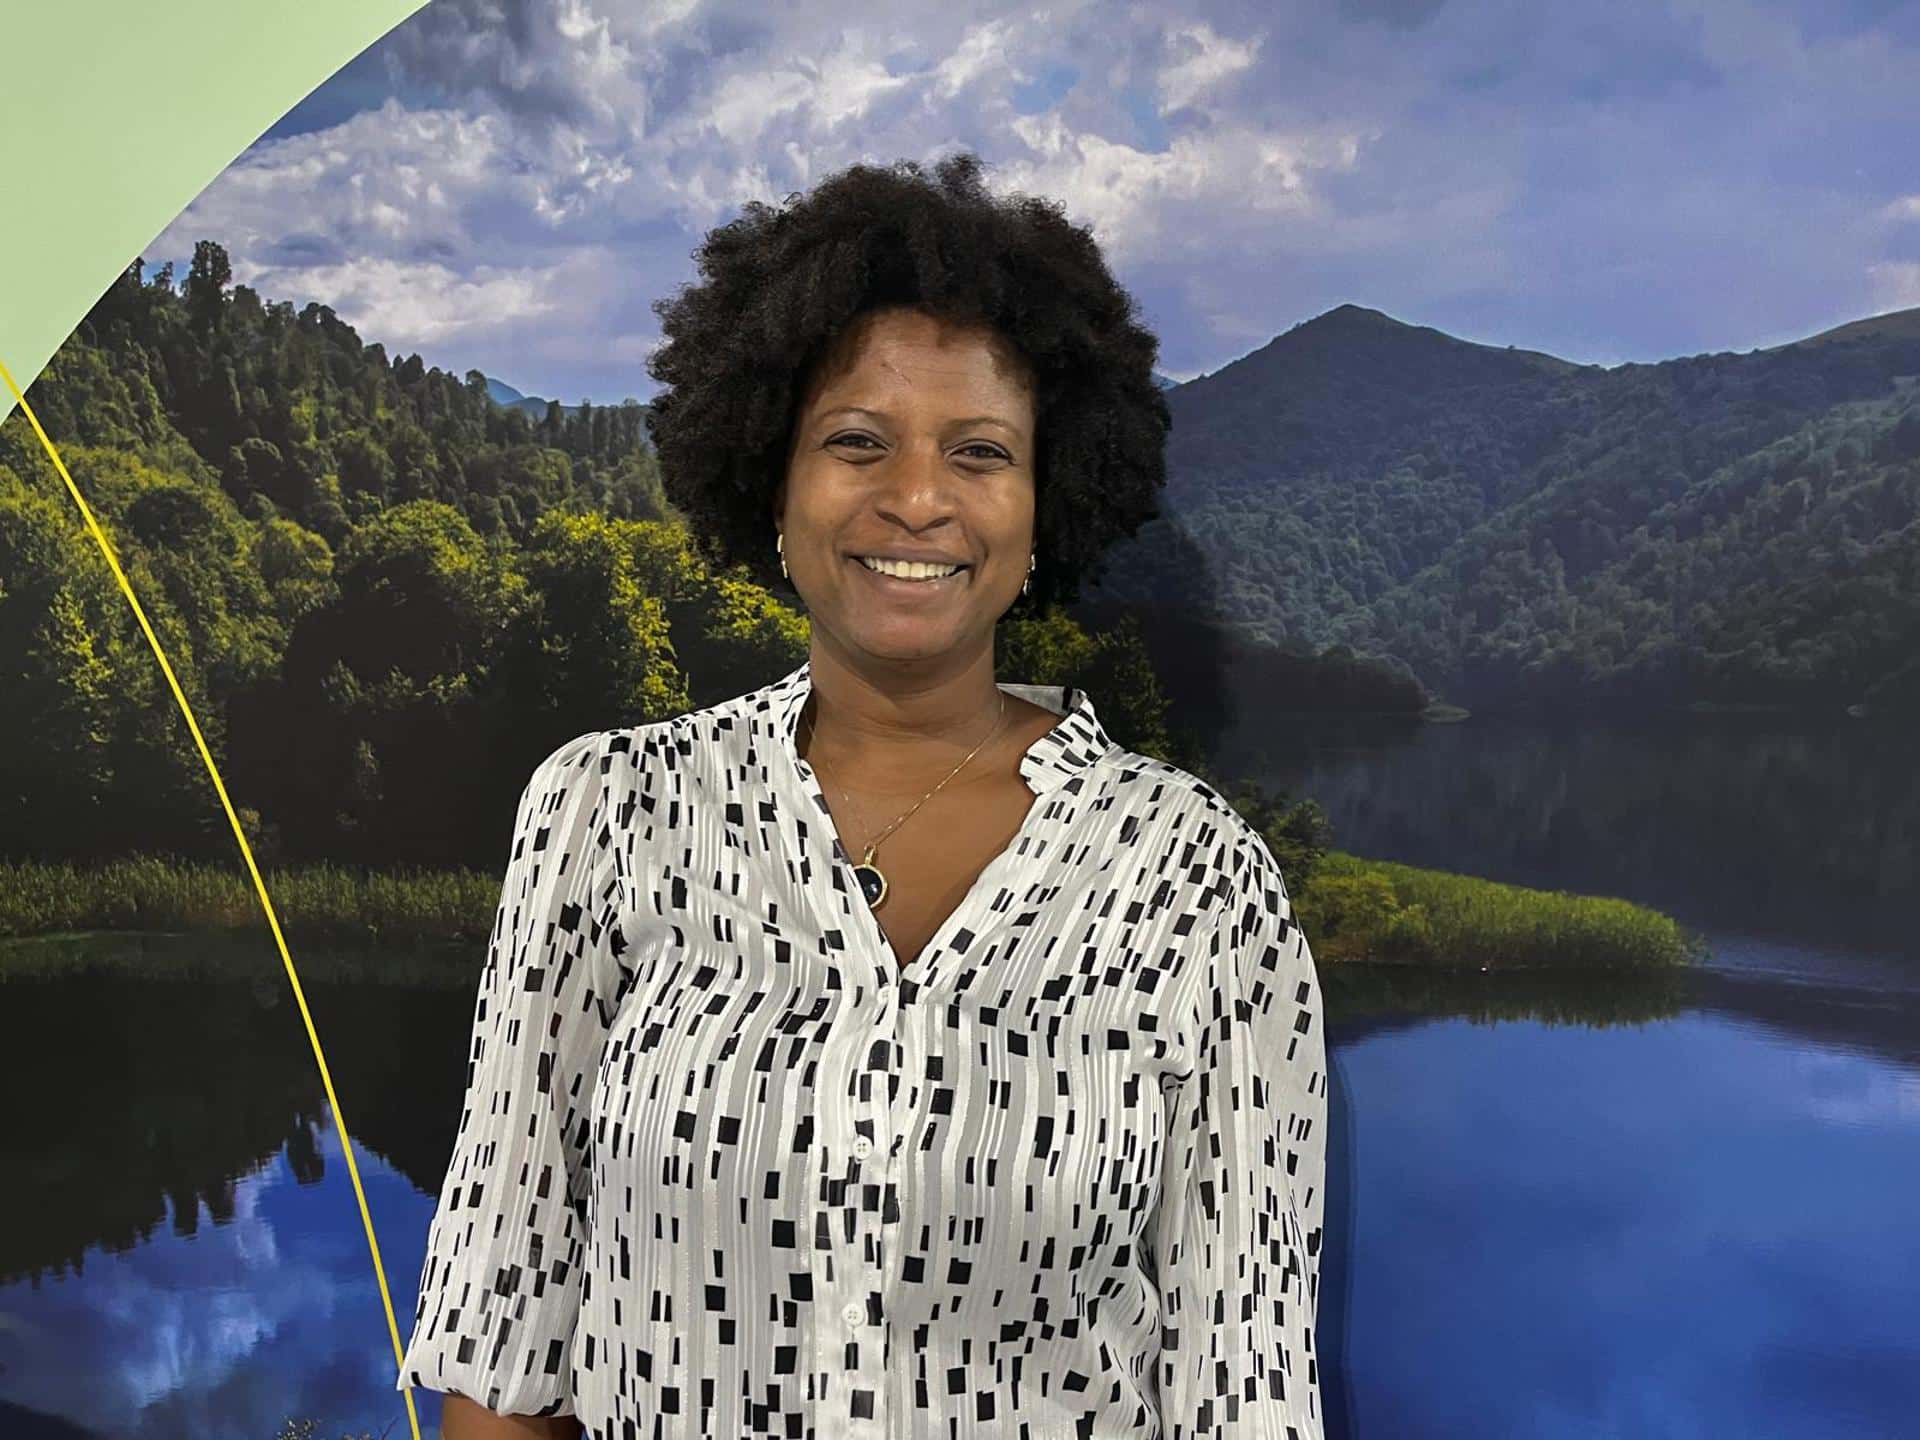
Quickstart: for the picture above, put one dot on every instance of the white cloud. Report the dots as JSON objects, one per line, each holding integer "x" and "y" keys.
{"x": 1245, "y": 180}
{"x": 830, "y": 93}
{"x": 1494, "y": 169}
{"x": 745, "y": 105}
{"x": 576, "y": 60}
{"x": 982, "y": 49}
{"x": 1206, "y": 59}
{"x": 1896, "y": 284}
{"x": 385, "y": 179}
{"x": 419, "y": 304}
{"x": 461, "y": 235}
{"x": 581, "y": 149}
{"x": 663, "y": 14}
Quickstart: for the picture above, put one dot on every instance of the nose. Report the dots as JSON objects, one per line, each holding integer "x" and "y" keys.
{"x": 918, "y": 488}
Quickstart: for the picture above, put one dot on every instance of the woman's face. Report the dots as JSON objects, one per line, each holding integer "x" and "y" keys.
{"x": 918, "y": 445}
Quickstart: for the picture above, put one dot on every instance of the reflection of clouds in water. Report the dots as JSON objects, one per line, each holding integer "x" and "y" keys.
{"x": 1696, "y": 1227}
{"x": 174, "y": 1315}
{"x": 1841, "y": 1089}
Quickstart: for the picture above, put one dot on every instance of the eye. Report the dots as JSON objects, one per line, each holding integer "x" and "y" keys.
{"x": 861, "y": 441}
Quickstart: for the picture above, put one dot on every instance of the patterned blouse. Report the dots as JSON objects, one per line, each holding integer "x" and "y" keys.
{"x": 725, "y": 1168}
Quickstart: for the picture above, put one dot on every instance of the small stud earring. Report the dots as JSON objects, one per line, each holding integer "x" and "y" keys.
{"x": 1026, "y": 586}
{"x": 780, "y": 544}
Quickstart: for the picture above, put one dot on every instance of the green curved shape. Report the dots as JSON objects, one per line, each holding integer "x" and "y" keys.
{"x": 117, "y": 115}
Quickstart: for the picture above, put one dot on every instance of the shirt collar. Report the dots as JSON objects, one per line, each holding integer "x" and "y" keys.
{"x": 1069, "y": 749}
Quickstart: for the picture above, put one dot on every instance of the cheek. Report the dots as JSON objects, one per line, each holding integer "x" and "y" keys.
{"x": 816, "y": 513}
{"x": 1006, "y": 513}
{"x": 1017, "y": 530}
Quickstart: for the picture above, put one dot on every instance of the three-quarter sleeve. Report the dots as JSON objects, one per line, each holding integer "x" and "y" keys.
{"x": 500, "y": 1288}
{"x": 1236, "y": 1232}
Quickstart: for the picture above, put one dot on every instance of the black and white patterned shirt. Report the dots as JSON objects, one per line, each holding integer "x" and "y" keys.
{"x": 726, "y": 1169}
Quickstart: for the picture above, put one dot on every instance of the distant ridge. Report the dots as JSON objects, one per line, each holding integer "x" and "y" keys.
{"x": 1500, "y": 526}
{"x": 1344, "y": 323}
{"x": 505, "y": 396}
{"x": 1353, "y": 348}
{"x": 1521, "y": 530}
{"x": 1894, "y": 325}
{"x": 508, "y": 398}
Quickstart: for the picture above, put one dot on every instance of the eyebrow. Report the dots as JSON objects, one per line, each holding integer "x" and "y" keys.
{"x": 964, "y": 420}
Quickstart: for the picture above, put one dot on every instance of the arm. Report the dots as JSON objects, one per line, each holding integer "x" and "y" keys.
{"x": 1236, "y": 1235}
{"x": 501, "y": 1285}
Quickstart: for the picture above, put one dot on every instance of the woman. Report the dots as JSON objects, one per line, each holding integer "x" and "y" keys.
{"x": 886, "y": 1052}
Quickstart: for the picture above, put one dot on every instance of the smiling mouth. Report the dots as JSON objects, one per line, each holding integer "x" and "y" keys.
{"x": 911, "y": 577}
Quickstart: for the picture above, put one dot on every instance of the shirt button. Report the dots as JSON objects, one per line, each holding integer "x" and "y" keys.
{"x": 854, "y": 1314}
{"x": 862, "y": 1148}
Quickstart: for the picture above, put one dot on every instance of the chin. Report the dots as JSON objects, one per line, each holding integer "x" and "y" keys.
{"x": 903, "y": 649}
{"x": 905, "y": 640}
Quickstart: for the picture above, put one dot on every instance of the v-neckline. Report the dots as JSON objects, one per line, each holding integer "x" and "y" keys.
{"x": 843, "y": 859}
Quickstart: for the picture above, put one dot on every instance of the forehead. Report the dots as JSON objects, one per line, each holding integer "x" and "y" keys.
{"x": 879, "y": 349}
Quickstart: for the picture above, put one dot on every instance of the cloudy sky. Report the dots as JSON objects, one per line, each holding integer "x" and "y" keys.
{"x": 509, "y": 184}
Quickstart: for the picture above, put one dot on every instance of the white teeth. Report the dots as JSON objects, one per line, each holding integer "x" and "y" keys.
{"x": 909, "y": 569}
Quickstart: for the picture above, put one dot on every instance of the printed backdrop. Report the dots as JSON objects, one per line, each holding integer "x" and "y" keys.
{"x": 1539, "y": 571}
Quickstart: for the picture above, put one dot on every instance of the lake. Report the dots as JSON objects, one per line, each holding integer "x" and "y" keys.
{"x": 1559, "y": 1205}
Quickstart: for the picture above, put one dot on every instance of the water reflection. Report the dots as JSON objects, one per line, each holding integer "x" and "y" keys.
{"x": 1701, "y": 1227}
{"x": 1797, "y": 829}
{"x": 1558, "y": 1204}
{"x": 225, "y": 1327}
{"x": 181, "y": 1252}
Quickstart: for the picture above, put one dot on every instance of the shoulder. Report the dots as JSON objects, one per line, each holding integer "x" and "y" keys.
{"x": 1138, "y": 781}
{"x": 576, "y": 756}
{"x": 651, "y": 752}
{"x": 640, "y": 746}
{"x": 1204, "y": 846}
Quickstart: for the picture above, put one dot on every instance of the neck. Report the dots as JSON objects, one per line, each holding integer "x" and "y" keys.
{"x": 882, "y": 730}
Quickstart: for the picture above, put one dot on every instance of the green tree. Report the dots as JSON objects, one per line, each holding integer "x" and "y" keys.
{"x": 207, "y": 279}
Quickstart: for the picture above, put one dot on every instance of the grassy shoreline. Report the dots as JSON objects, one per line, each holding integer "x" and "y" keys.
{"x": 1381, "y": 912}
{"x": 1353, "y": 910}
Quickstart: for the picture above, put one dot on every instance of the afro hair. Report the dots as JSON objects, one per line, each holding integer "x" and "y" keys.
{"x": 780, "y": 285}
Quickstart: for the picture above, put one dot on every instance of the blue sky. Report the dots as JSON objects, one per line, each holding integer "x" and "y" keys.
{"x": 509, "y": 184}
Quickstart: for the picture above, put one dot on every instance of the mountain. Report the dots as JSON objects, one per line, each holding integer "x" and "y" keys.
{"x": 508, "y": 398}
{"x": 1518, "y": 530}
{"x": 504, "y": 395}
{"x": 1360, "y": 515}
{"x": 1894, "y": 325}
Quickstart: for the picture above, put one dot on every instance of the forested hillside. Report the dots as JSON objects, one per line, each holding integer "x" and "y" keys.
{"x": 384, "y": 594}
{"x": 1525, "y": 531}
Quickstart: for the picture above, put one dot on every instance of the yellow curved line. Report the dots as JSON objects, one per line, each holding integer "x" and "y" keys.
{"x": 346, "y": 1144}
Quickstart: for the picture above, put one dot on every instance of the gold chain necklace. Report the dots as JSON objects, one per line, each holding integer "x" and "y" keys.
{"x": 873, "y": 882}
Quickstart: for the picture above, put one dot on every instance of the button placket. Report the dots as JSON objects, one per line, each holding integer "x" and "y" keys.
{"x": 863, "y": 1262}
{"x": 870, "y": 1156}
{"x": 847, "y": 1056}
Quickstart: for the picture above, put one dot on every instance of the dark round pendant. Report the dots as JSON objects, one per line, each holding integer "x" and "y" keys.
{"x": 873, "y": 884}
